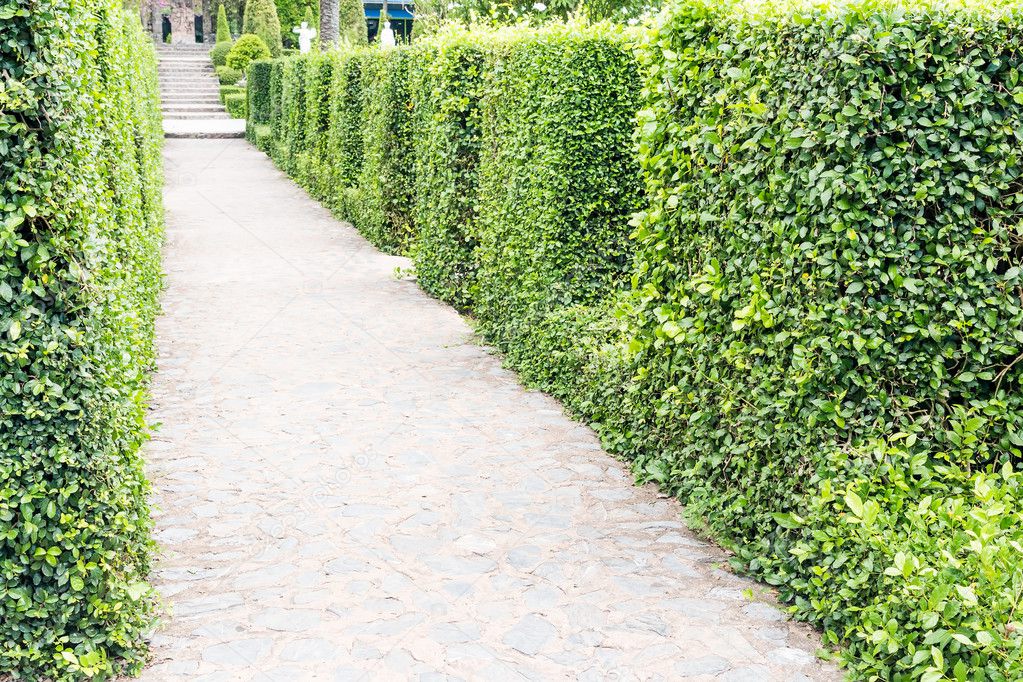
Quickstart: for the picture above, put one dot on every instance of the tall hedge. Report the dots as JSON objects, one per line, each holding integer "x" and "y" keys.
{"x": 344, "y": 144}
{"x": 381, "y": 201}
{"x": 80, "y": 178}
{"x": 557, "y": 181}
{"x": 827, "y": 316}
{"x": 446, "y": 93}
{"x": 258, "y": 102}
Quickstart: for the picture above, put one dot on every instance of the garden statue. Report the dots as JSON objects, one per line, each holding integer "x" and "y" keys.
{"x": 387, "y": 36}
{"x": 305, "y": 37}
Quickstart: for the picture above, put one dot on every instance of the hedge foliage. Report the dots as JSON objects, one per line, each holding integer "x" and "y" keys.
{"x": 446, "y": 155}
{"x": 827, "y": 316}
{"x": 260, "y": 18}
{"x": 818, "y": 348}
{"x": 247, "y": 49}
{"x": 80, "y": 182}
{"x": 219, "y": 52}
{"x": 228, "y": 76}
{"x": 223, "y": 30}
{"x": 234, "y": 103}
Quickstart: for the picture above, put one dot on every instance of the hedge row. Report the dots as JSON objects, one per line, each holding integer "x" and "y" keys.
{"x": 828, "y": 315}
{"x": 818, "y": 352}
{"x": 80, "y": 180}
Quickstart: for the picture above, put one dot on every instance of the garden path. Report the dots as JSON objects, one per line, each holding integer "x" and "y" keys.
{"x": 350, "y": 488}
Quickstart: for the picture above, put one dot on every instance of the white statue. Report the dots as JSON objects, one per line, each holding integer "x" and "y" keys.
{"x": 305, "y": 37}
{"x": 387, "y": 36}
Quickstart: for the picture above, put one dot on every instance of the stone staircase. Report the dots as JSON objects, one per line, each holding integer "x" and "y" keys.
{"x": 190, "y": 94}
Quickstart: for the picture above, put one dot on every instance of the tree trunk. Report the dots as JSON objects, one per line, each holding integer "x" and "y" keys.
{"x": 330, "y": 20}
{"x": 208, "y": 27}
{"x": 182, "y": 22}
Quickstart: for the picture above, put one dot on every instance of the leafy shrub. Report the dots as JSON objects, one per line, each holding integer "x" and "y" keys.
{"x": 223, "y": 30}
{"x": 228, "y": 76}
{"x": 446, "y": 97}
{"x": 260, "y": 18}
{"x": 362, "y": 124}
{"x": 218, "y": 55}
{"x": 827, "y": 316}
{"x": 247, "y": 49}
{"x": 313, "y": 166}
{"x": 380, "y": 204}
{"x": 257, "y": 81}
{"x": 226, "y": 90}
{"x": 80, "y": 179}
{"x": 352, "y": 23}
{"x": 291, "y": 142}
{"x": 344, "y": 124}
{"x": 235, "y": 104}
{"x": 557, "y": 178}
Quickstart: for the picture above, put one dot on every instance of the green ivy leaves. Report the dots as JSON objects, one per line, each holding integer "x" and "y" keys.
{"x": 81, "y": 191}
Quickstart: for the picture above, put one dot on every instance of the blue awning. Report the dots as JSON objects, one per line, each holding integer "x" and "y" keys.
{"x": 392, "y": 12}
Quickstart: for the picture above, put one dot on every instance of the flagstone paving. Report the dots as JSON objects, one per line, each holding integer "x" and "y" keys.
{"x": 349, "y": 488}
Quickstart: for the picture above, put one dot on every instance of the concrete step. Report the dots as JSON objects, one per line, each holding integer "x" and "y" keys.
{"x": 181, "y": 94}
{"x": 205, "y": 115}
{"x": 185, "y": 86}
{"x": 186, "y": 101}
{"x": 209, "y": 108}
{"x": 204, "y": 128}
{"x": 186, "y": 94}
{"x": 199, "y": 79}
{"x": 192, "y": 106}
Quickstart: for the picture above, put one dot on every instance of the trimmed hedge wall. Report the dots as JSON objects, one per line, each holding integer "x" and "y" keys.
{"x": 557, "y": 181}
{"x": 447, "y": 93}
{"x": 80, "y": 179}
{"x": 827, "y": 317}
{"x": 818, "y": 351}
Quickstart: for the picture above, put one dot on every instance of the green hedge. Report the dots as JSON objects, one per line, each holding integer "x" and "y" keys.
{"x": 228, "y": 75}
{"x": 80, "y": 178}
{"x": 447, "y": 92}
{"x": 234, "y": 103}
{"x": 827, "y": 316}
{"x": 226, "y": 90}
{"x": 258, "y": 96}
{"x": 344, "y": 124}
{"x": 557, "y": 182}
{"x": 379, "y": 203}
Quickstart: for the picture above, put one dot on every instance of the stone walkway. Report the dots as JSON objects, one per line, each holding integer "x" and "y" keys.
{"x": 351, "y": 489}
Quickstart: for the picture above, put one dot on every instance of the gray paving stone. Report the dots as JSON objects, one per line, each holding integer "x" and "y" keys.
{"x": 704, "y": 665}
{"x": 308, "y": 650}
{"x": 237, "y": 652}
{"x": 530, "y": 634}
{"x": 288, "y": 620}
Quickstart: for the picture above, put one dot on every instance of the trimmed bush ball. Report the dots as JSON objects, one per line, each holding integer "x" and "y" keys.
{"x": 228, "y": 76}
{"x": 219, "y": 52}
{"x": 247, "y": 49}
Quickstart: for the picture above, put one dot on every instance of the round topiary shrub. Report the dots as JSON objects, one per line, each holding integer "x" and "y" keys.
{"x": 228, "y": 76}
{"x": 219, "y": 52}
{"x": 248, "y": 49}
